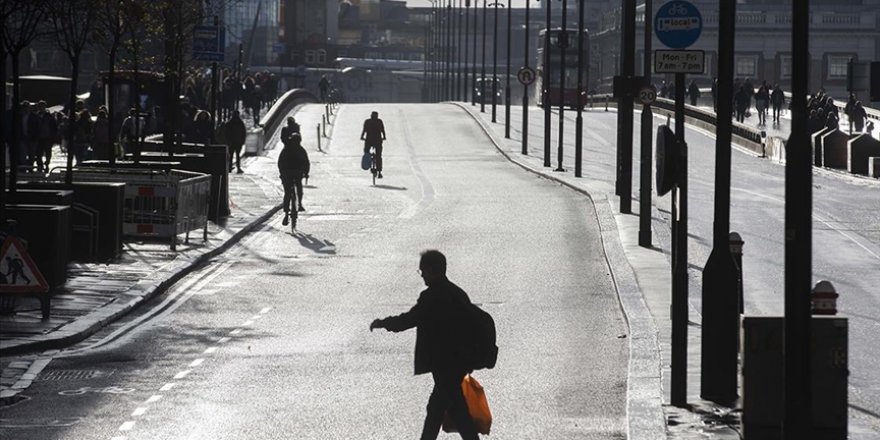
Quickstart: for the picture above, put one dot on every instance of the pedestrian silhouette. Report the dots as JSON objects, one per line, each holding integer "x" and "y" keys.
{"x": 14, "y": 269}
{"x": 440, "y": 337}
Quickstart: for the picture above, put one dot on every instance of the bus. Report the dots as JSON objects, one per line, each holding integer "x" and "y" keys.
{"x": 554, "y": 96}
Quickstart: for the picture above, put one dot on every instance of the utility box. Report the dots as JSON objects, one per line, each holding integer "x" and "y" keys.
{"x": 763, "y": 378}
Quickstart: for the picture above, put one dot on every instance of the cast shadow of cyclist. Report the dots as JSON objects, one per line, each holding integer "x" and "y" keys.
{"x": 315, "y": 244}
{"x": 391, "y": 187}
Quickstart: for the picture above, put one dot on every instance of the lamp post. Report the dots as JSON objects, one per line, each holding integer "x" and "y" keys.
{"x": 495, "y": 61}
{"x": 434, "y": 51}
{"x": 507, "y": 79}
{"x": 474, "y": 63}
{"x": 525, "y": 101}
{"x": 483, "y": 68}
{"x": 562, "y": 41}
{"x": 464, "y": 83}
{"x": 579, "y": 120}
{"x": 447, "y": 95}
{"x": 456, "y": 50}
{"x": 545, "y": 86}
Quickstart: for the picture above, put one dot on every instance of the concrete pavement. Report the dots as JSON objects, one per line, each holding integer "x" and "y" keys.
{"x": 95, "y": 295}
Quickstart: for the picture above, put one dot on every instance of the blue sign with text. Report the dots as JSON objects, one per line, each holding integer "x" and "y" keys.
{"x": 678, "y": 24}
{"x": 209, "y": 42}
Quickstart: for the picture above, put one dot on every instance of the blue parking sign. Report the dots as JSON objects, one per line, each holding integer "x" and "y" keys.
{"x": 209, "y": 42}
{"x": 678, "y": 24}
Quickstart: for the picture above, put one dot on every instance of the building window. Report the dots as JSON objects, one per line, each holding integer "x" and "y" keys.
{"x": 310, "y": 57}
{"x": 837, "y": 66}
{"x": 785, "y": 66}
{"x": 322, "y": 57}
{"x": 746, "y": 67}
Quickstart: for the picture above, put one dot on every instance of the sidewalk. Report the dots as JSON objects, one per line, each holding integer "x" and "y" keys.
{"x": 96, "y": 294}
{"x": 643, "y": 281}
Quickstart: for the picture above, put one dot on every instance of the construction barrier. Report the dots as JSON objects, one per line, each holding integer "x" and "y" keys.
{"x": 158, "y": 204}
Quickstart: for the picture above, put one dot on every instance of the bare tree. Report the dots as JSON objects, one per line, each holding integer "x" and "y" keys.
{"x": 21, "y": 19}
{"x": 115, "y": 18}
{"x": 73, "y": 22}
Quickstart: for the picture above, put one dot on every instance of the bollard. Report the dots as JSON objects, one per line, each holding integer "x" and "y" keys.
{"x": 824, "y": 299}
{"x": 324, "y": 125}
{"x": 763, "y": 143}
{"x": 606, "y": 103}
{"x": 736, "y": 251}
{"x": 318, "y": 127}
{"x": 327, "y": 111}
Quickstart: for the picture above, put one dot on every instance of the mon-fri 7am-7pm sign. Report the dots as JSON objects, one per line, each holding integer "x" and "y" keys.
{"x": 18, "y": 272}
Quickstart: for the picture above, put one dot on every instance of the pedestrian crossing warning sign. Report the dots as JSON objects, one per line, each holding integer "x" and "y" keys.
{"x": 18, "y": 272}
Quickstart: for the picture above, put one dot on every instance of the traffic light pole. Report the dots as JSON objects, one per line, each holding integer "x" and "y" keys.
{"x": 562, "y": 41}
{"x": 625, "y": 108}
{"x": 579, "y": 120}
{"x": 647, "y": 125}
{"x": 678, "y": 395}
{"x": 525, "y": 100}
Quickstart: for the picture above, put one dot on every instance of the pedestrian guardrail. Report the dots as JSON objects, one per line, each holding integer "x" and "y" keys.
{"x": 159, "y": 204}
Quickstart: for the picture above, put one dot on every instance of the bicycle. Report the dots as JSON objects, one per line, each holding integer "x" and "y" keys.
{"x": 293, "y": 215}
{"x": 374, "y": 170}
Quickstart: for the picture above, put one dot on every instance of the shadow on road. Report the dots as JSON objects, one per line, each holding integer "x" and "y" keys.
{"x": 396, "y": 188}
{"x": 316, "y": 244}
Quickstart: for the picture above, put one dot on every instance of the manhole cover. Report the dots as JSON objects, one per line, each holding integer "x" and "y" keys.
{"x": 74, "y": 374}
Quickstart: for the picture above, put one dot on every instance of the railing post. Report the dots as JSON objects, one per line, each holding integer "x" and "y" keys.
{"x": 736, "y": 251}
{"x": 606, "y": 103}
{"x": 318, "y": 128}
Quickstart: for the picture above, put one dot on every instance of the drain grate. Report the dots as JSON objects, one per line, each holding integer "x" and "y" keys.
{"x": 74, "y": 374}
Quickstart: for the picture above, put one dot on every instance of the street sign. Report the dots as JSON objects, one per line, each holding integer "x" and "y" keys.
{"x": 679, "y": 61}
{"x": 678, "y": 24}
{"x": 647, "y": 95}
{"x": 209, "y": 43}
{"x": 526, "y": 75}
{"x": 18, "y": 272}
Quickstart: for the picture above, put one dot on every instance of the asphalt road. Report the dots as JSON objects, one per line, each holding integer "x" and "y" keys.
{"x": 271, "y": 340}
{"x": 846, "y": 232}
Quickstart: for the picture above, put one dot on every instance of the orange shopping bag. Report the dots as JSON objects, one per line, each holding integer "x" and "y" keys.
{"x": 478, "y": 407}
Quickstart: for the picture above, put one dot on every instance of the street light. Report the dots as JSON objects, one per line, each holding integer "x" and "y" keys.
{"x": 474, "y": 64}
{"x": 562, "y": 41}
{"x": 495, "y": 60}
{"x": 525, "y": 117}
{"x": 464, "y": 83}
{"x": 507, "y": 80}
{"x": 483, "y": 68}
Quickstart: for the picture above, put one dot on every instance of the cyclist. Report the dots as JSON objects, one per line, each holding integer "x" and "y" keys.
{"x": 373, "y": 135}
{"x": 293, "y": 165}
{"x": 289, "y": 129}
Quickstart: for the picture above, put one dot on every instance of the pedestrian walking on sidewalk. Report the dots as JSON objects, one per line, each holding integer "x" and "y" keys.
{"x": 777, "y": 100}
{"x": 762, "y": 102}
{"x": 293, "y": 166}
{"x": 234, "y": 133}
{"x": 857, "y": 116}
{"x": 437, "y": 316}
{"x": 741, "y": 101}
{"x": 693, "y": 92}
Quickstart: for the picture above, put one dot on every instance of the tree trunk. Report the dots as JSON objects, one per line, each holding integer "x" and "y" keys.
{"x": 71, "y": 121}
{"x": 3, "y": 136}
{"x": 111, "y": 106}
{"x": 15, "y": 138}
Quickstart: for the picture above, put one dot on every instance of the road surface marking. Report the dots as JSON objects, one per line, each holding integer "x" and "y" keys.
{"x": 182, "y": 374}
{"x": 266, "y": 310}
{"x": 223, "y": 340}
{"x": 154, "y": 398}
{"x": 247, "y": 323}
{"x": 139, "y": 411}
{"x": 196, "y": 362}
{"x": 235, "y": 332}
{"x": 127, "y": 426}
{"x": 210, "y": 350}
{"x": 168, "y": 386}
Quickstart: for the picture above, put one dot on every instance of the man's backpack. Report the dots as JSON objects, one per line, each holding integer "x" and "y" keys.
{"x": 483, "y": 349}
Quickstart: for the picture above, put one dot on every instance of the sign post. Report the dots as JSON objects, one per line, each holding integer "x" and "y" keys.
{"x": 678, "y": 25}
{"x": 209, "y": 43}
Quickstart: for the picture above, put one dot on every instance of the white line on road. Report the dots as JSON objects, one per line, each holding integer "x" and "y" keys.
{"x": 266, "y": 310}
{"x": 127, "y": 426}
{"x": 118, "y": 438}
{"x": 235, "y": 332}
{"x": 182, "y": 374}
{"x": 247, "y": 323}
{"x": 211, "y": 350}
{"x": 168, "y": 386}
{"x": 224, "y": 340}
{"x": 154, "y": 398}
{"x": 139, "y": 411}
{"x": 256, "y": 317}
{"x": 196, "y": 363}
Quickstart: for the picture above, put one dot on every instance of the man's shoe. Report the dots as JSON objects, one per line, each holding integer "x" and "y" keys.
{"x": 240, "y": 171}
{"x": 301, "y": 209}
{"x": 380, "y": 175}
{"x": 286, "y": 220}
